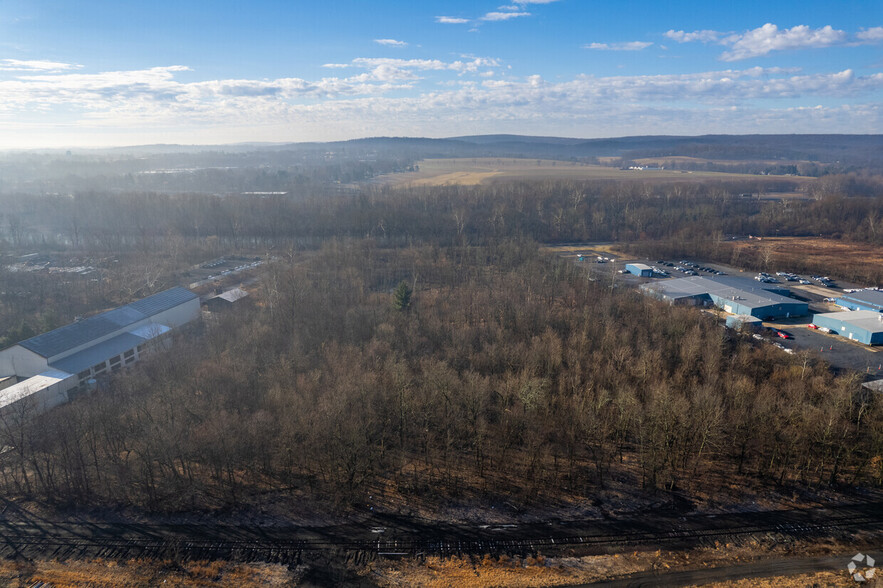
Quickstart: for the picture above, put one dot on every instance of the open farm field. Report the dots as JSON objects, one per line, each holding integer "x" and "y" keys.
{"x": 476, "y": 171}
{"x": 668, "y": 159}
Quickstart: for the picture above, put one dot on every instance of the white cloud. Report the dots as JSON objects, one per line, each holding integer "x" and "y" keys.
{"x": 872, "y": 35}
{"x": 630, "y": 46}
{"x": 35, "y": 65}
{"x": 470, "y": 66}
{"x": 769, "y": 37}
{"x": 498, "y": 16}
{"x": 451, "y": 20}
{"x": 703, "y": 36}
{"x": 391, "y": 43}
{"x": 391, "y": 96}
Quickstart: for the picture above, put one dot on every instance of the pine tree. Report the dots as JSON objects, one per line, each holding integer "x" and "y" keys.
{"x": 401, "y": 296}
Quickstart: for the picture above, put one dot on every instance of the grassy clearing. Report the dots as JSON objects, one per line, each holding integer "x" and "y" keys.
{"x": 474, "y": 171}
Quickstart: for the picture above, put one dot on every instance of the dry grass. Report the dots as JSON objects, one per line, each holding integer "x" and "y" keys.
{"x": 852, "y": 261}
{"x": 561, "y": 571}
{"x": 138, "y": 573}
{"x": 685, "y": 159}
{"x": 473, "y": 171}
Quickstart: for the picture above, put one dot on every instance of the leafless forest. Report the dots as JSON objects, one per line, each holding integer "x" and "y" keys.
{"x": 415, "y": 342}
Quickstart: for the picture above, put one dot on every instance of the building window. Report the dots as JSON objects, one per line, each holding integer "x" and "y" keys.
{"x": 84, "y": 375}
{"x": 99, "y": 367}
{"x": 115, "y": 361}
{"x": 129, "y": 354}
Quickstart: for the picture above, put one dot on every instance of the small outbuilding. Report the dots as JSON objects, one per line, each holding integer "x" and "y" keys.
{"x": 738, "y": 321}
{"x": 225, "y": 299}
{"x": 639, "y": 269}
{"x": 864, "y": 326}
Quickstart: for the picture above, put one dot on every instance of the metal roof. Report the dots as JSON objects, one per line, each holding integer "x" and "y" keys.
{"x": 83, "y": 360}
{"x": 870, "y": 320}
{"x": 746, "y": 292}
{"x": 163, "y": 301}
{"x": 234, "y": 294}
{"x": 150, "y": 331}
{"x": 31, "y": 386}
{"x": 76, "y": 334}
{"x": 872, "y": 298}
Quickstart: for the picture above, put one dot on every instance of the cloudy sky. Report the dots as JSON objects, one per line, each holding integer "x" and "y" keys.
{"x": 101, "y": 72}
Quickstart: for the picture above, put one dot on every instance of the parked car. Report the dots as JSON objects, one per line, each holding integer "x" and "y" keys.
{"x": 784, "y": 335}
{"x": 812, "y": 326}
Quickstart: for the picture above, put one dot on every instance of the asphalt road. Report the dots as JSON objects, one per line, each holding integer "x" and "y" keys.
{"x": 789, "y": 566}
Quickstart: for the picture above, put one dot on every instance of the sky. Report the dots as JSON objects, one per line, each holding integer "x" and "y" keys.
{"x": 96, "y": 73}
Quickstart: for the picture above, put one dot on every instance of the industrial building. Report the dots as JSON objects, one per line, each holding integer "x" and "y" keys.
{"x": 864, "y": 326}
{"x": 48, "y": 367}
{"x": 639, "y": 269}
{"x": 733, "y": 295}
{"x": 862, "y": 300}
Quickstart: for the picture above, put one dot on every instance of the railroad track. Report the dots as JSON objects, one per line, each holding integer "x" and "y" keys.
{"x": 21, "y": 542}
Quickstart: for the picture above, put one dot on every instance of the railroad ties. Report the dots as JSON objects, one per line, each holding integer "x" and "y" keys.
{"x": 28, "y": 544}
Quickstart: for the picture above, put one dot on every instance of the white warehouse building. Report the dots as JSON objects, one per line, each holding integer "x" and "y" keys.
{"x": 49, "y": 366}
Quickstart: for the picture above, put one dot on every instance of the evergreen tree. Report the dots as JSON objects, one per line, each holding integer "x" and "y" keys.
{"x": 401, "y": 296}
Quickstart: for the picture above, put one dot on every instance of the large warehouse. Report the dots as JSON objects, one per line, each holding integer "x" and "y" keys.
{"x": 732, "y": 294}
{"x": 47, "y": 367}
{"x": 864, "y": 326}
{"x": 862, "y": 300}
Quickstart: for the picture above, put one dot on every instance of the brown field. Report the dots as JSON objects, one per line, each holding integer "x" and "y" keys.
{"x": 474, "y": 171}
{"x": 698, "y": 160}
{"x": 852, "y": 261}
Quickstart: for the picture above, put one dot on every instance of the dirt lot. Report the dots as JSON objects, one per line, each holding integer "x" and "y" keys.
{"x": 474, "y": 171}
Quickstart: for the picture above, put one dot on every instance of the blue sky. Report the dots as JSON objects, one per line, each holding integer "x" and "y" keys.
{"x": 97, "y": 73}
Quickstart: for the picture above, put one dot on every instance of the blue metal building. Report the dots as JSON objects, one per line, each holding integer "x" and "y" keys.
{"x": 862, "y": 300}
{"x": 864, "y": 326}
{"x": 639, "y": 269}
{"x": 731, "y": 294}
